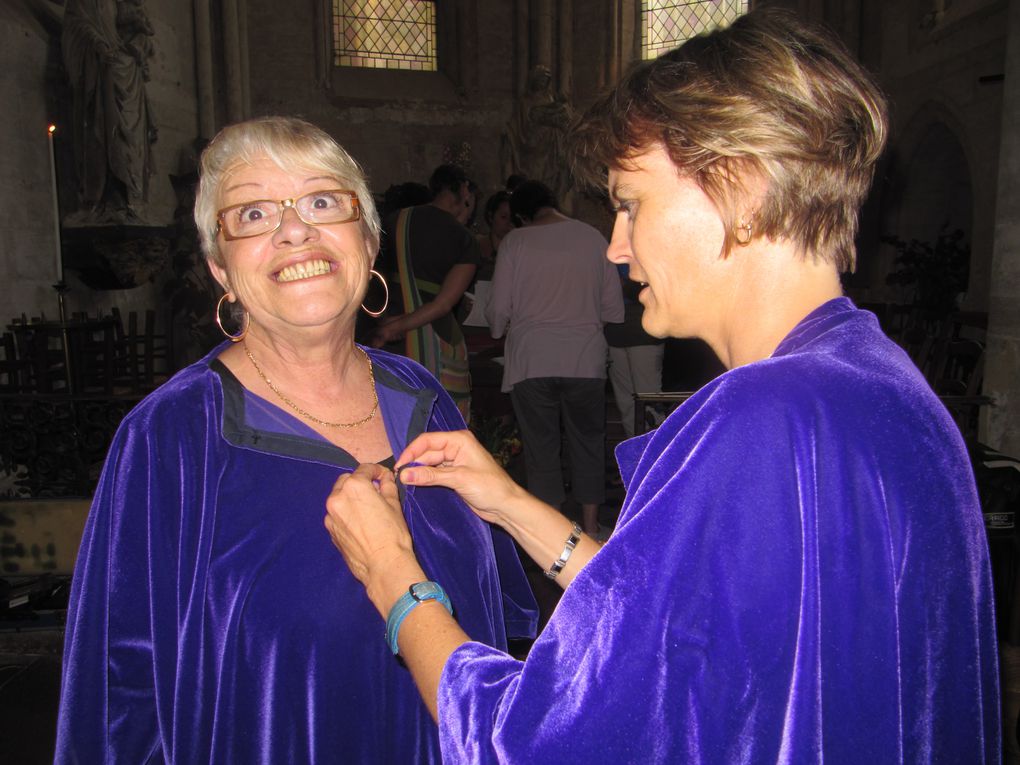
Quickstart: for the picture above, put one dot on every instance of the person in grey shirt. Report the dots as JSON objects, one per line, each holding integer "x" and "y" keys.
{"x": 555, "y": 290}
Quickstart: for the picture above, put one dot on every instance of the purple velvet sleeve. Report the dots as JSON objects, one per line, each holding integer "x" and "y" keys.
{"x": 477, "y": 678}
{"x": 108, "y": 699}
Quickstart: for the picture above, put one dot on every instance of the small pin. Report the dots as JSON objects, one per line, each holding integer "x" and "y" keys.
{"x": 400, "y": 468}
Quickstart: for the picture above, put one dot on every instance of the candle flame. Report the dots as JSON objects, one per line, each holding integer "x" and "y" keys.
{"x": 51, "y": 129}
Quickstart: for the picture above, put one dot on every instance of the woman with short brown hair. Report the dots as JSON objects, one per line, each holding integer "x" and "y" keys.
{"x": 799, "y": 572}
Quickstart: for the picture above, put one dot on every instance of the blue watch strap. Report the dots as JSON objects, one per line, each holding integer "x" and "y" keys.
{"x": 416, "y": 595}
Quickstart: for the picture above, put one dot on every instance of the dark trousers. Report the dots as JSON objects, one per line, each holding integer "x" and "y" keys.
{"x": 539, "y": 404}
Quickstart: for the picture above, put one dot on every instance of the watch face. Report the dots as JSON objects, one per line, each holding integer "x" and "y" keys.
{"x": 424, "y": 591}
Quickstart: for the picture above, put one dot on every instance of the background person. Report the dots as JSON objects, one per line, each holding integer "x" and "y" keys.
{"x": 206, "y": 622}
{"x": 552, "y": 292}
{"x": 498, "y": 223}
{"x": 432, "y": 258}
{"x": 635, "y": 358}
{"x": 471, "y": 312}
{"x": 799, "y": 572}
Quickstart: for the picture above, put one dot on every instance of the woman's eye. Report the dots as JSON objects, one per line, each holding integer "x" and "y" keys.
{"x": 250, "y": 214}
{"x": 325, "y": 201}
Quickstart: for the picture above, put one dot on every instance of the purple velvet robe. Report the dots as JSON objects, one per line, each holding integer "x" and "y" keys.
{"x": 799, "y": 573}
{"x": 211, "y": 618}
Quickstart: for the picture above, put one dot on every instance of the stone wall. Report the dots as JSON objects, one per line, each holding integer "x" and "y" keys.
{"x": 28, "y": 240}
{"x": 36, "y": 90}
{"x": 942, "y": 76}
{"x": 1002, "y": 379}
{"x": 399, "y": 125}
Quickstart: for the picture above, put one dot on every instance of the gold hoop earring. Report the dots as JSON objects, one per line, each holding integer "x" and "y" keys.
{"x": 386, "y": 299}
{"x": 219, "y": 322}
{"x": 745, "y": 237}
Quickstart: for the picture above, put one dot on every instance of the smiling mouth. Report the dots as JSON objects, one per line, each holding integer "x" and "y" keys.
{"x": 305, "y": 270}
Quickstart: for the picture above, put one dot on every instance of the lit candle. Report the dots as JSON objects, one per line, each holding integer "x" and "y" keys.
{"x": 56, "y": 203}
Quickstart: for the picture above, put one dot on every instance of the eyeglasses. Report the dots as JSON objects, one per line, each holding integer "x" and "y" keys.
{"x": 263, "y": 216}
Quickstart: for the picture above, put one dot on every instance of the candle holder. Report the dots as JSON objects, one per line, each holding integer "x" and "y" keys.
{"x": 62, "y": 289}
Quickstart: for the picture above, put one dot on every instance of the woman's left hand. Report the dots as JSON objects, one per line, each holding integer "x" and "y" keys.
{"x": 365, "y": 522}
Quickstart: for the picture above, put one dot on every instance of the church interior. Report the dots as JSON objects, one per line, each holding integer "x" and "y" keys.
{"x": 102, "y": 245}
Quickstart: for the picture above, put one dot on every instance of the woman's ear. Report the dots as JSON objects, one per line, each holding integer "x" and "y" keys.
{"x": 372, "y": 248}
{"x": 219, "y": 274}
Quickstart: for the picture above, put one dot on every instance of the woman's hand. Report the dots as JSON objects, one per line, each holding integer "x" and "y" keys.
{"x": 456, "y": 460}
{"x": 364, "y": 520}
{"x": 387, "y": 332}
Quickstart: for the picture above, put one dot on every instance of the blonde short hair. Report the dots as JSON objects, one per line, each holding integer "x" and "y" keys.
{"x": 290, "y": 143}
{"x": 769, "y": 98}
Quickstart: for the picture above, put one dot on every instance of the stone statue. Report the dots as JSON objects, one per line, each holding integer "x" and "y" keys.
{"x": 534, "y": 138}
{"x": 106, "y": 46}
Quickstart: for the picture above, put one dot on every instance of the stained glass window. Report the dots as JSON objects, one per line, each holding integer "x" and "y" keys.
{"x": 385, "y": 34}
{"x": 665, "y": 24}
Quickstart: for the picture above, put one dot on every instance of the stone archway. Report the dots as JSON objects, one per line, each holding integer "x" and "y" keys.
{"x": 937, "y": 186}
{"x": 930, "y": 187}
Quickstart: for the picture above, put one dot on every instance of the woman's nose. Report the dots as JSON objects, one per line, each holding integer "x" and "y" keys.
{"x": 619, "y": 242}
{"x": 292, "y": 229}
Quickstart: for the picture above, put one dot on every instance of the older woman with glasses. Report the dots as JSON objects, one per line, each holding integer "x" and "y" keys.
{"x": 206, "y": 623}
{"x": 799, "y": 572}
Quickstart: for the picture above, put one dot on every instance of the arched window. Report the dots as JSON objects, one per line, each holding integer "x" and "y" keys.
{"x": 665, "y": 24}
{"x": 385, "y": 34}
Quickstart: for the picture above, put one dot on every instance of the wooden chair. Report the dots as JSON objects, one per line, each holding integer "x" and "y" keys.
{"x": 94, "y": 356}
{"x": 157, "y": 352}
{"x": 143, "y": 355}
{"x": 957, "y": 379}
{"x": 960, "y": 369}
{"x": 918, "y": 344}
{"x": 897, "y": 318}
{"x": 667, "y": 401}
{"x": 127, "y": 355}
{"x": 13, "y": 370}
{"x": 39, "y": 349}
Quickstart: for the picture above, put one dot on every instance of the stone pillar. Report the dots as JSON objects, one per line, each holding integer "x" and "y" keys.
{"x": 615, "y": 40}
{"x": 565, "y": 65}
{"x": 204, "y": 69}
{"x": 603, "y": 45}
{"x": 469, "y": 73}
{"x": 1001, "y": 426}
{"x": 232, "y": 60}
{"x": 522, "y": 36}
{"x": 243, "y": 59}
{"x": 542, "y": 27}
{"x": 636, "y": 41}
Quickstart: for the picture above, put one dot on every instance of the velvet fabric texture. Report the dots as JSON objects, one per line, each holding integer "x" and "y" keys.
{"x": 799, "y": 574}
{"x": 211, "y": 618}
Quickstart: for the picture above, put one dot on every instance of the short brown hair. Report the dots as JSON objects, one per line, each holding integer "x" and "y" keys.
{"x": 770, "y": 96}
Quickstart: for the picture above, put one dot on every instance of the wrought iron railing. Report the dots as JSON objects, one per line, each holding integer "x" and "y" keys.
{"x": 54, "y": 445}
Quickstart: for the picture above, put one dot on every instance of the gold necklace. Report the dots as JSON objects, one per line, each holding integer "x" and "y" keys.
{"x": 312, "y": 417}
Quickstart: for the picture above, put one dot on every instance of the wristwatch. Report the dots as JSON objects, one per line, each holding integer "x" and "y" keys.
{"x": 416, "y": 594}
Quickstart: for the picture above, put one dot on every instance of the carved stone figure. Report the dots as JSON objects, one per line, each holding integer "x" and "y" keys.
{"x": 534, "y": 138}
{"x": 106, "y": 46}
